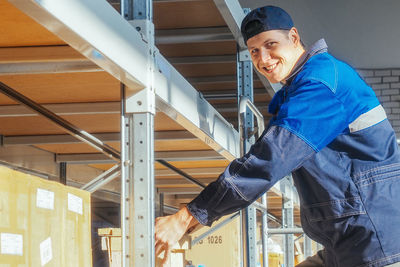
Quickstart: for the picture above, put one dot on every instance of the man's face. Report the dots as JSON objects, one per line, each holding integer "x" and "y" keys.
{"x": 274, "y": 53}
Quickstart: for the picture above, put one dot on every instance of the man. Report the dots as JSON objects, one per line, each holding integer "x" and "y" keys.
{"x": 330, "y": 131}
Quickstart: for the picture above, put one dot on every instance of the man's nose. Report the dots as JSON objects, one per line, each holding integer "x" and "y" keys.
{"x": 265, "y": 55}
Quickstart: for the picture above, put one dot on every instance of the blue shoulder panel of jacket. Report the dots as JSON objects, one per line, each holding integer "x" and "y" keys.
{"x": 321, "y": 101}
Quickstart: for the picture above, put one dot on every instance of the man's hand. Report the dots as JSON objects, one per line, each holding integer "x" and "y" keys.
{"x": 170, "y": 229}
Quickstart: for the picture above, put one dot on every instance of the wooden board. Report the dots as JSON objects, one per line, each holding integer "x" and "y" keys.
{"x": 179, "y": 145}
{"x": 228, "y": 86}
{"x": 39, "y": 125}
{"x": 179, "y": 164}
{"x": 193, "y": 14}
{"x": 64, "y": 87}
{"x": 197, "y": 176}
{"x": 200, "y": 164}
{"x": 17, "y": 29}
{"x": 198, "y": 49}
{"x": 39, "y": 54}
{"x": 104, "y": 123}
{"x": 215, "y": 69}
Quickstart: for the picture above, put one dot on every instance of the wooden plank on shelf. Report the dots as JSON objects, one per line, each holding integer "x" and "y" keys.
{"x": 17, "y": 29}
{"x": 214, "y": 69}
{"x": 38, "y": 125}
{"x": 184, "y": 14}
{"x": 104, "y": 123}
{"x": 179, "y": 164}
{"x": 194, "y": 145}
{"x": 64, "y": 88}
{"x": 198, "y": 49}
{"x": 39, "y": 54}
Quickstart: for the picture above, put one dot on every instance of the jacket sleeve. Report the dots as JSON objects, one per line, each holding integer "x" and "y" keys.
{"x": 292, "y": 137}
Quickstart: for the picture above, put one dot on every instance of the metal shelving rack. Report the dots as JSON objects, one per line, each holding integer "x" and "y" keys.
{"x": 113, "y": 42}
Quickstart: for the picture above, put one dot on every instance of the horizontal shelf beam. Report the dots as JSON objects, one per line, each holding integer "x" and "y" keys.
{"x": 39, "y": 54}
{"x": 97, "y": 158}
{"x": 193, "y": 35}
{"x": 192, "y": 171}
{"x": 215, "y": 79}
{"x": 179, "y": 190}
{"x": 161, "y": 182}
{"x": 48, "y": 67}
{"x": 105, "y": 137}
{"x": 202, "y": 60}
{"x": 63, "y": 109}
{"x": 228, "y": 94}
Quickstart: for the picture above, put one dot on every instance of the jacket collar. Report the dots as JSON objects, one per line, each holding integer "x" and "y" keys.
{"x": 317, "y": 48}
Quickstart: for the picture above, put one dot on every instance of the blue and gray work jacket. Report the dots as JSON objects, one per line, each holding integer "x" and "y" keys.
{"x": 331, "y": 132}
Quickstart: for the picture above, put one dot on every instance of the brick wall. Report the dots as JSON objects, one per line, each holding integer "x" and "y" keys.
{"x": 386, "y": 84}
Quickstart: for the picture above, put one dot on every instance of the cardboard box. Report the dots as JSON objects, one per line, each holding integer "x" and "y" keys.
{"x": 111, "y": 242}
{"x": 222, "y": 248}
{"x": 43, "y": 223}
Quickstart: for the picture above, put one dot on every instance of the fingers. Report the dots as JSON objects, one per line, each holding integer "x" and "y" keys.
{"x": 159, "y": 247}
{"x": 166, "y": 255}
{"x": 168, "y": 231}
{"x": 160, "y": 242}
{"x": 163, "y": 247}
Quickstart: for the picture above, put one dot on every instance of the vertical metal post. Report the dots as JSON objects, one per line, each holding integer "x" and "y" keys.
{"x": 249, "y": 237}
{"x": 307, "y": 246}
{"x": 264, "y": 231}
{"x": 245, "y": 88}
{"x": 127, "y": 9}
{"x": 248, "y": 215}
{"x": 143, "y": 188}
{"x": 137, "y": 151}
{"x": 161, "y": 212}
{"x": 63, "y": 173}
{"x": 126, "y": 177}
{"x": 287, "y": 219}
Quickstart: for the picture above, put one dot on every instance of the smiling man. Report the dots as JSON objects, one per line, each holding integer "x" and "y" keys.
{"x": 329, "y": 130}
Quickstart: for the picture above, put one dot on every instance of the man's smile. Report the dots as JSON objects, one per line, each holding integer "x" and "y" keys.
{"x": 270, "y": 68}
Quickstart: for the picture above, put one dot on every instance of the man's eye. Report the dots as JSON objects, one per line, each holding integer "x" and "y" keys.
{"x": 254, "y": 51}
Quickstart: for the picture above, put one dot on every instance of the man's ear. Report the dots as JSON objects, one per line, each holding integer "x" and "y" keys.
{"x": 294, "y": 36}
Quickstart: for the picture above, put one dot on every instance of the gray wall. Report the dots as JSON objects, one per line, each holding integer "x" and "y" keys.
{"x": 364, "y": 33}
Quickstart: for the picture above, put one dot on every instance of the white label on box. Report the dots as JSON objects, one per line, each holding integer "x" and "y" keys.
{"x": 45, "y": 199}
{"x": 12, "y": 244}
{"x": 46, "y": 253}
{"x": 74, "y": 203}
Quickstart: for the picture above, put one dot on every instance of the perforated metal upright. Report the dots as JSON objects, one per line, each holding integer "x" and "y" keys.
{"x": 264, "y": 231}
{"x": 287, "y": 219}
{"x": 137, "y": 150}
{"x": 248, "y": 215}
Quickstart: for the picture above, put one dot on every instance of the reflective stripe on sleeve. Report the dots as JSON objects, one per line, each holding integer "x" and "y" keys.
{"x": 368, "y": 119}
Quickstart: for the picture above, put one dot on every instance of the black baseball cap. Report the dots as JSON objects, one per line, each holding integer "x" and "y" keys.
{"x": 265, "y": 19}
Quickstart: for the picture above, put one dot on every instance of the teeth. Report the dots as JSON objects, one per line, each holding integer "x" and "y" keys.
{"x": 271, "y": 67}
